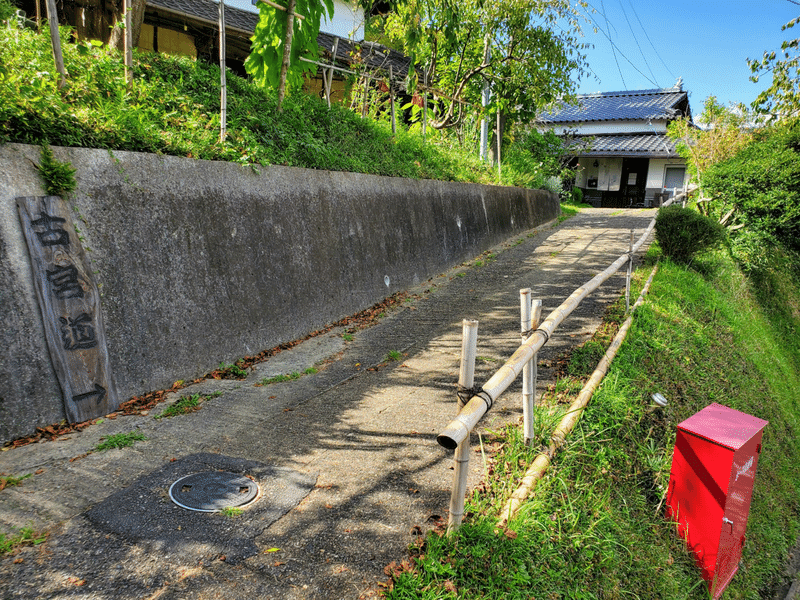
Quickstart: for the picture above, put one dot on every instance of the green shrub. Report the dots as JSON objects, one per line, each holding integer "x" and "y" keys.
{"x": 681, "y": 232}
{"x": 577, "y": 195}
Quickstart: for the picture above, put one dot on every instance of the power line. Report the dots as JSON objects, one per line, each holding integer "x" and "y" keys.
{"x": 615, "y": 48}
{"x": 637, "y": 43}
{"x": 613, "y": 51}
{"x": 649, "y": 40}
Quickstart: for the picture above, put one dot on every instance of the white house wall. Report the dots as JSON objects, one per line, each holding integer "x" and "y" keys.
{"x": 610, "y": 128}
{"x": 658, "y": 169}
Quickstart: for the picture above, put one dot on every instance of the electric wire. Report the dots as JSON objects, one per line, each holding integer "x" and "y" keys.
{"x": 613, "y": 46}
{"x": 635, "y": 39}
{"x": 635, "y": 14}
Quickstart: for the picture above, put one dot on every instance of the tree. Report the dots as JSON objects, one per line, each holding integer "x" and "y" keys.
{"x": 724, "y": 134}
{"x": 781, "y": 100}
{"x": 529, "y": 64}
{"x": 269, "y": 42}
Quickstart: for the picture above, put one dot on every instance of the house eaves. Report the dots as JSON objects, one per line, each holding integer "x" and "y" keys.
{"x": 652, "y": 145}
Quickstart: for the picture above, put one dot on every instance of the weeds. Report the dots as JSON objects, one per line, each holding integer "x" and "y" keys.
{"x": 58, "y": 177}
{"x": 186, "y": 404}
{"x": 7, "y": 481}
{"x": 24, "y": 537}
{"x": 234, "y": 371}
{"x": 231, "y": 512}
{"x": 120, "y": 440}
{"x": 287, "y": 377}
{"x": 393, "y": 356}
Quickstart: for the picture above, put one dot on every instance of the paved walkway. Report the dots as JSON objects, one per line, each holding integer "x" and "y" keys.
{"x": 346, "y": 458}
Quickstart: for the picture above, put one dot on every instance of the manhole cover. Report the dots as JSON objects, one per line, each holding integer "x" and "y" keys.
{"x": 213, "y": 491}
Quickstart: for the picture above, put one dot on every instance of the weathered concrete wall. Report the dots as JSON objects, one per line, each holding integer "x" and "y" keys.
{"x": 202, "y": 262}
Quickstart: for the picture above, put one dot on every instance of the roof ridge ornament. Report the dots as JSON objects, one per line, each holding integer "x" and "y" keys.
{"x": 678, "y": 84}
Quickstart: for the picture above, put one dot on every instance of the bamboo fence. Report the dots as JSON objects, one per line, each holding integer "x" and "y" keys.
{"x": 457, "y": 432}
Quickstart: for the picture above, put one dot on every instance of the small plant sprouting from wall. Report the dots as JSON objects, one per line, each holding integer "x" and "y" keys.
{"x": 58, "y": 177}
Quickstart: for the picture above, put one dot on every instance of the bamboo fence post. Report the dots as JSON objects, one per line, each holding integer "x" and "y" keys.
{"x": 570, "y": 419}
{"x": 55, "y": 38}
{"x": 466, "y": 377}
{"x": 287, "y": 52}
{"x": 424, "y": 105}
{"x": 223, "y": 82}
{"x": 499, "y": 144}
{"x": 391, "y": 101}
{"x": 531, "y": 312}
{"x": 366, "y": 91}
{"x": 328, "y": 78}
{"x": 128, "y": 43}
{"x": 459, "y": 428}
{"x": 628, "y": 276}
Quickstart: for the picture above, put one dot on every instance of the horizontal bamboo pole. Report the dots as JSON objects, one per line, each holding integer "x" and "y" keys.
{"x": 568, "y": 422}
{"x": 279, "y": 7}
{"x": 458, "y": 429}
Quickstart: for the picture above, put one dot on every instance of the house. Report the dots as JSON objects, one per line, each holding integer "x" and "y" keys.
{"x": 623, "y": 156}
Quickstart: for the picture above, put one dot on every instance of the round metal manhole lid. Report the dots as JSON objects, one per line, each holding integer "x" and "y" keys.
{"x": 212, "y": 491}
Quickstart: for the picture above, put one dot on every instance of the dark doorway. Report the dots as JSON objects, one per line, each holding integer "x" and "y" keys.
{"x": 634, "y": 180}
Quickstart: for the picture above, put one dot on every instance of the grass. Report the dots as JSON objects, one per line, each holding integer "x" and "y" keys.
{"x": 393, "y": 356}
{"x": 173, "y": 109}
{"x": 288, "y": 376}
{"x": 25, "y": 536}
{"x": 7, "y": 481}
{"x": 595, "y": 527}
{"x": 120, "y": 440}
{"x": 231, "y": 512}
{"x": 186, "y": 404}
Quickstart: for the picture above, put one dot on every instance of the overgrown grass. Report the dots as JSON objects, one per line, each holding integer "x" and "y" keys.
{"x": 174, "y": 109}
{"x": 595, "y": 527}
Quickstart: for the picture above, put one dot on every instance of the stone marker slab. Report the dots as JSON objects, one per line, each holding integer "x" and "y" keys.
{"x": 70, "y": 305}
{"x": 144, "y": 511}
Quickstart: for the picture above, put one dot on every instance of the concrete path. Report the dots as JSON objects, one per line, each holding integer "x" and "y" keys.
{"x": 346, "y": 458}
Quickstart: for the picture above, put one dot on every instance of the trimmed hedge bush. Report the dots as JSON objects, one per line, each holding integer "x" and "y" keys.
{"x": 681, "y": 232}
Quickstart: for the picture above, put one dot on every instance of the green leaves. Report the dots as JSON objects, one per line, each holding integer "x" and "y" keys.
{"x": 264, "y": 61}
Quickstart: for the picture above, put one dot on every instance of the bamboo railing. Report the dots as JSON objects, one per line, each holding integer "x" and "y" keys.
{"x": 455, "y": 436}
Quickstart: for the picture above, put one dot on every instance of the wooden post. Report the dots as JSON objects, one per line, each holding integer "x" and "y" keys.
{"x": 223, "y": 82}
{"x": 366, "y": 91}
{"x": 628, "y": 276}
{"x": 128, "y": 43}
{"x": 531, "y": 313}
{"x": 391, "y": 101}
{"x": 287, "y": 53}
{"x": 55, "y": 38}
{"x": 466, "y": 377}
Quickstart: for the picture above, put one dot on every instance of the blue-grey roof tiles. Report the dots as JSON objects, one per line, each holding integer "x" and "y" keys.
{"x": 646, "y": 105}
{"x": 653, "y": 145}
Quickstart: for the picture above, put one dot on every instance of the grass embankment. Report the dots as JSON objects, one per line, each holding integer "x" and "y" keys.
{"x": 594, "y": 527}
{"x": 174, "y": 108}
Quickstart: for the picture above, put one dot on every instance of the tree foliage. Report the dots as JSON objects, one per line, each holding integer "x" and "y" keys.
{"x": 781, "y": 100}
{"x": 266, "y": 54}
{"x": 762, "y": 184}
{"x": 724, "y": 134}
{"x": 530, "y": 63}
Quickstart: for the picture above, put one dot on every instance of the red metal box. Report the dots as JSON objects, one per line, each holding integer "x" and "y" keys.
{"x": 710, "y": 487}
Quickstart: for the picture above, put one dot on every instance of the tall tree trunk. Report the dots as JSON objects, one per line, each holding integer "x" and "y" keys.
{"x": 493, "y": 145}
{"x": 55, "y": 38}
{"x": 287, "y": 53}
{"x": 117, "y": 39}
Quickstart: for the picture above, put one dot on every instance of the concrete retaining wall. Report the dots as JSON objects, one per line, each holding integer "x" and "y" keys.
{"x": 202, "y": 262}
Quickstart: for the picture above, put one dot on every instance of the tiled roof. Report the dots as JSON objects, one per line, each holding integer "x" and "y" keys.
{"x": 653, "y": 145}
{"x": 208, "y": 11}
{"x": 616, "y": 106}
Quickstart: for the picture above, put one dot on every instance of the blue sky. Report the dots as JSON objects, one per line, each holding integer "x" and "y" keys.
{"x": 707, "y": 42}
